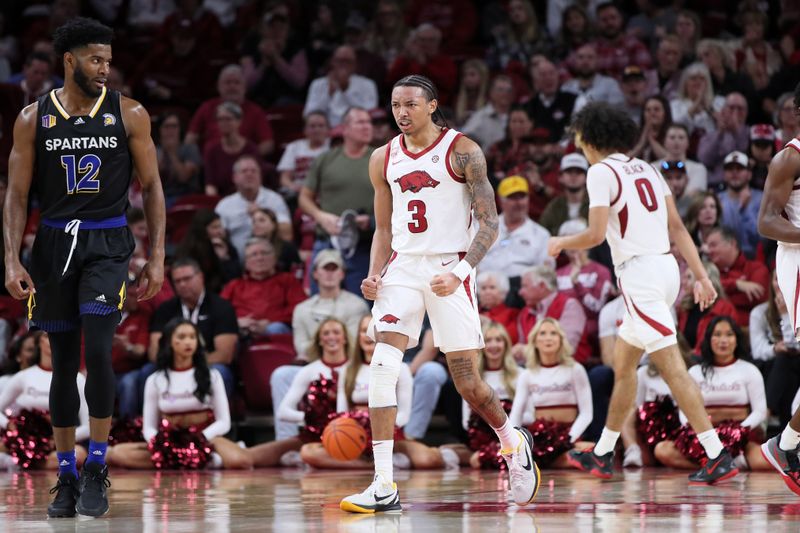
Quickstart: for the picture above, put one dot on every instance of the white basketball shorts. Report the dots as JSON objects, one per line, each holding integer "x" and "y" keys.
{"x": 787, "y": 269}
{"x": 405, "y": 296}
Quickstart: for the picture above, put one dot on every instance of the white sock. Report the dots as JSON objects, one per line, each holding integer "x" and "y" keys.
{"x": 711, "y": 443}
{"x": 789, "y": 439}
{"x": 509, "y": 437}
{"x": 382, "y": 453}
{"x": 608, "y": 439}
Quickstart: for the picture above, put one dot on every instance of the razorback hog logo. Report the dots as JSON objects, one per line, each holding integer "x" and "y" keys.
{"x": 416, "y": 181}
{"x": 389, "y": 319}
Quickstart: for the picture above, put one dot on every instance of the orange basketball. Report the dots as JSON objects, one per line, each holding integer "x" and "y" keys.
{"x": 344, "y": 439}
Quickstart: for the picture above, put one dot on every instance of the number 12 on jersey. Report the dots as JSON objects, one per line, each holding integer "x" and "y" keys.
{"x": 88, "y": 167}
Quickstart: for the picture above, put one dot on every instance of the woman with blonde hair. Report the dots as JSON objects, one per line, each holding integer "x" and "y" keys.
{"x": 553, "y": 398}
{"x": 473, "y": 89}
{"x": 696, "y": 103}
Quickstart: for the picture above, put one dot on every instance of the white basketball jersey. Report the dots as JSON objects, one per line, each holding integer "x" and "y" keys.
{"x": 792, "y": 209}
{"x": 635, "y": 192}
{"x": 431, "y": 208}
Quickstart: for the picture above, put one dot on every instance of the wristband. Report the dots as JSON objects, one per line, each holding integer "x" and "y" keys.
{"x": 462, "y": 270}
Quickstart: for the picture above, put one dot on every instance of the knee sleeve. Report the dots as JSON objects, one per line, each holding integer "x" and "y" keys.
{"x": 100, "y": 380}
{"x": 384, "y": 372}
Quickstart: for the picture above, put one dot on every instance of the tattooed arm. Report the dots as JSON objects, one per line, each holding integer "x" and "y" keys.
{"x": 468, "y": 161}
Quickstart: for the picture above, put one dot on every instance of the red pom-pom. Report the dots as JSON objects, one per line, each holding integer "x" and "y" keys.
{"x": 126, "y": 430}
{"x": 657, "y": 420}
{"x": 482, "y": 438}
{"x": 550, "y": 438}
{"x": 175, "y": 448}
{"x": 733, "y": 436}
{"x": 29, "y": 437}
{"x": 319, "y": 404}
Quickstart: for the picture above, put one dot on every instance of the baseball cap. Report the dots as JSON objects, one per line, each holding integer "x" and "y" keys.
{"x": 762, "y": 132}
{"x": 736, "y": 158}
{"x": 571, "y": 227}
{"x": 574, "y": 161}
{"x": 631, "y": 72}
{"x": 326, "y": 257}
{"x": 512, "y": 185}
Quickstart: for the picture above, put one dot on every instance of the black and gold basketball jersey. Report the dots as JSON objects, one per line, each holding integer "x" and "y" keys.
{"x": 83, "y": 165}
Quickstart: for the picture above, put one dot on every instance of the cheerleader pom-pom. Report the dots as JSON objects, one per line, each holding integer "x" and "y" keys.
{"x": 550, "y": 438}
{"x": 479, "y": 433}
{"x": 733, "y": 436}
{"x": 29, "y": 439}
{"x": 126, "y": 430}
{"x": 687, "y": 443}
{"x": 318, "y": 404}
{"x": 489, "y": 456}
{"x": 657, "y": 420}
{"x": 175, "y": 448}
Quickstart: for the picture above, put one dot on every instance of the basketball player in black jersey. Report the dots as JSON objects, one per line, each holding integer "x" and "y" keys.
{"x": 76, "y": 148}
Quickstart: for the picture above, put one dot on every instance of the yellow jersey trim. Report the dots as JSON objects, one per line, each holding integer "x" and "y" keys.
{"x": 58, "y": 105}
{"x": 99, "y": 102}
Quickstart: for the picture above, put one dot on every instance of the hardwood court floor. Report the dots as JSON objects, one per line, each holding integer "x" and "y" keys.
{"x": 441, "y": 502}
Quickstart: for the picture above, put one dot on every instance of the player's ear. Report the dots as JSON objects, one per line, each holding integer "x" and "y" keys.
{"x": 69, "y": 58}
{"x": 433, "y": 105}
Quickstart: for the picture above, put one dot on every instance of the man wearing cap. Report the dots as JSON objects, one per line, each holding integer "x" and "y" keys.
{"x": 521, "y": 243}
{"x": 587, "y": 84}
{"x": 740, "y": 202}
{"x": 634, "y": 92}
{"x": 762, "y": 149}
{"x": 488, "y": 124}
{"x": 732, "y": 134}
{"x": 575, "y": 202}
{"x": 674, "y": 173}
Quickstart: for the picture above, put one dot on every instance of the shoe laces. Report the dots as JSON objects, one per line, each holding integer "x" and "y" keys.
{"x": 59, "y": 484}
{"x": 99, "y": 477}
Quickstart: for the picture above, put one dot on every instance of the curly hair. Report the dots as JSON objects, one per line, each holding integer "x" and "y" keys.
{"x": 79, "y": 32}
{"x": 166, "y": 357}
{"x": 605, "y": 127}
{"x": 742, "y": 350}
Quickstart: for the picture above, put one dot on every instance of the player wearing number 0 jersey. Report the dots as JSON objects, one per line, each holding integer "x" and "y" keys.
{"x": 428, "y": 182}
{"x": 631, "y": 207}
{"x": 779, "y": 219}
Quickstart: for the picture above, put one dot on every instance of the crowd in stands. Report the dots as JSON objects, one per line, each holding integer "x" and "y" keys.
{"x": 265, "y": 114}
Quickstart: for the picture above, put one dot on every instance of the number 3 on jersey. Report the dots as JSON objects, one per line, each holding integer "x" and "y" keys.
{"x": 88, "y": 167}
{"x": 418, "y": 222}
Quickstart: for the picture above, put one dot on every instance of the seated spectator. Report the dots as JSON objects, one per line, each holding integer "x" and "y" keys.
{"x": 331, "y": 301}
{"x": 421, "y": 55}
{"x": 786, "y": 120}
{"x": 493, "y": 288}
{"x": 515, "y": 148}
{"x": 573, "y": 27}
{"x": 129, "y": 351}
{"x": 264, "y": 299}
{"x": 35, "y": 78}
{"x": 692, "y": 320}
{"x": 456, "y": 20}
{"x": 341, "y": 89}
{"x": 732, "y": 134}
{"x": 550, "y": 107}
{"x": 204, "y": 129}
{"x": 587, "y": 84}
{"x": 21, "y": 355}
{"x": 179, "y": 164}
{"x": 207, "y": 243}
{"x": 688, "y": 28}
{"x": 665, "y": 78}
{"x": 387, "y": 32}
{"x": 634, "y": 92}
{"x": 472, "y": 90}
{"x": 616, "y": 49}
{"x": 720, "y": 62}
{"x": 762, "y": 150}
{"x": 587, "y": 281}
{"x": 274, "y": 60}
{"x": 215, "y": 319}
{"x": 740, "y": 202}
{"x": 676, "y": 143}
{"x": 299, "y": 154}
{"x": 695, "y": 104}
{"x": 745, "y": 282}
{"x": 674, "y": 173}
{"x": 539, "y": 291}
{"x": 521, "y": 243}
{"x": 204, "y": 23}
{"x": 540, "y": 168}
{"x": 575, "y": 202}
{"x": 219, "y": 156}
{"x": 704, "y": 215}
{"x": 368, "y": 64}
{"x": 656, "y": 118}
{"x": 250, "y": 193}
{"x": 755, "y": 56}
{"x": 488, "y": 124}
{"x": 265, "y": 226}
{"x": 770, "y": 330}
{"x": 518, "y": 39}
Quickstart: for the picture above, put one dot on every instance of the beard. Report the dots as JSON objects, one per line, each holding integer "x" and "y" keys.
{"x": 85, "y": 84}
{"x": 737, "y": 186}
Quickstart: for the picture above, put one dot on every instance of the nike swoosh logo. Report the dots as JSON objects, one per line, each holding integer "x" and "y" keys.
{"x": 381, "y": 498}
{"x": 528, "y": 460}
{"x": 711, "y": 470}
{"x": 445, "y": 264}
{"x": 596, "y": 461}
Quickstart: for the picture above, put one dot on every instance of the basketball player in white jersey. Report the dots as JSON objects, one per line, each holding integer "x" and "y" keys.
{"x": 779, "y": 219}
{"x": 632, "y": 208}
{"x": 428, "y": 181}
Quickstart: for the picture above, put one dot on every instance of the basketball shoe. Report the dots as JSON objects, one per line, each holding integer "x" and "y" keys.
{"x": 67, "y": 492}
{"x": 93, "y": 500}
{"x": 715, "y": 470}
{"x": 601, "y": 466}
{"x": 786, "y": 463}
{"x": 523, "y": 473}
{"x": 379, "y": 497}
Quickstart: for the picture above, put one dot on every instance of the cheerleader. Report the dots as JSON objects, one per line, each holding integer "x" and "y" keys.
{"x": 186, "y": 394}
{"x": 27, "y": 393}
{"x": 352, "y": 395}
{"x": 553, "y": 397}
{"x": 329, "y": 350}
{"x": 733, "y": 394}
